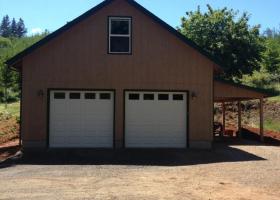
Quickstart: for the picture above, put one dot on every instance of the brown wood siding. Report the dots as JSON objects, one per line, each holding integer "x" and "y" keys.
{"x": 227, "y": 92}
{"x": 78, "y": 59}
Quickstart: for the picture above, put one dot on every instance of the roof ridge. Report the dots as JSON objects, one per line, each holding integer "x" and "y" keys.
{"x": 98, "y": 7}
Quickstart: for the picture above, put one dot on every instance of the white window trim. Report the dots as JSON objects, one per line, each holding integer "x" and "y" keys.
{"x": 120, "y": 35}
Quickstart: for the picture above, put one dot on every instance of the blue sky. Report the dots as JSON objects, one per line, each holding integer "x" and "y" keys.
{"x": 52, "y": 14}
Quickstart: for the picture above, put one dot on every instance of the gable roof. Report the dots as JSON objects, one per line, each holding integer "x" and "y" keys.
{"x": 14, "y": 60}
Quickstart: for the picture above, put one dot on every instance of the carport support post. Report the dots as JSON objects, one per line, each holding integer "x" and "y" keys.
{"x": 224, "y": 117}
{"x": 239, "y": 119}
{"x": 261, "y": 120}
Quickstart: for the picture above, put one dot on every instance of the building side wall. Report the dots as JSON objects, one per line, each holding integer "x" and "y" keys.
{"x": 78, "y": 59}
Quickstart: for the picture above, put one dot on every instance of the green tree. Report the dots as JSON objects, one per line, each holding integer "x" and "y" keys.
{"x": 272, "y": 33}
{"x": 5, "y": 43}
{"x": 7, "y": 81}
{"x": 271, "y": 57}
{"x": 5, "y": 29}
{"x": 13, "y": 28}
{"x": 6, "y": 75}
{"x": 21, "y": 29}
{"x": 260, "y": 79}
{"x": 236, "y": 46}
{"x": 269, "y": 74}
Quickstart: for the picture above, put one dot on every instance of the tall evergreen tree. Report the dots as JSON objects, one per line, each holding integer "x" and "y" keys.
{"x": 21, "y": 29}
{"x": 14, "y": 28}
{"x": 5, "y": 27}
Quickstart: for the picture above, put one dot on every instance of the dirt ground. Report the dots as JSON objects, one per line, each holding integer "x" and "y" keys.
{"x": 246, "y": 170}
{"x": 272, "y": 134}
{"x": 9, "y": 130}
{"x": 8, "y": 149}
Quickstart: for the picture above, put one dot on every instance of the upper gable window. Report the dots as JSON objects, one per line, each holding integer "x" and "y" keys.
{"x": 119, "y": 35}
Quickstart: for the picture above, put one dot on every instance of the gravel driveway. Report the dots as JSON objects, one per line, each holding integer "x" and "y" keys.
{"x": 240, "y": 171}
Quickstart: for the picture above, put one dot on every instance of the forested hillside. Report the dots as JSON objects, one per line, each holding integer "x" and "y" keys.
{"x": 269, "y": 74}
{"x": 13, "y": 40}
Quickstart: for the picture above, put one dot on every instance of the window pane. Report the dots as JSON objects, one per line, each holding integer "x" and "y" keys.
{"x": 59, "y": 95}
{"x": 89, "y": 95}
{"x": 134, "y": 96}
{"x": 178, "y": 97}
{"x": 105, "y": 96}
{"x": 163, "y": 97}
{"x": 119, "y": 44}
{"x": 148, "y": 96}
{"x": 75, "y": 95}
{"x": 119, "y": 26}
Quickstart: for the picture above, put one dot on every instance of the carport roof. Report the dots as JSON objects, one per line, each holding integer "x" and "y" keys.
{"x": 225, "y": 90}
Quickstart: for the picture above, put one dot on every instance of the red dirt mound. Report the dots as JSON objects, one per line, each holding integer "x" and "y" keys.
{"x": 9, "y": 130}
{"x": 9, "y": 149}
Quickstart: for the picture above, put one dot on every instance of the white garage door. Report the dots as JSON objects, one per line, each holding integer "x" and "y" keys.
{"x": 81, "y": 119}
{"x": 155, "y": 119}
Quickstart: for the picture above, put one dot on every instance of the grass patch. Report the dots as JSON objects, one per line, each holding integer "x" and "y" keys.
{"x": 274, "y": 99}
{"x": 12, "y": 109}
{"x": 276, "y": 86}
{"x": 269, "y": 125}
{"x": 272, "y": 125}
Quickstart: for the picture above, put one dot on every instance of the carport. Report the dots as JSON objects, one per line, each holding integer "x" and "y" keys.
{"x": 227, "y": 91}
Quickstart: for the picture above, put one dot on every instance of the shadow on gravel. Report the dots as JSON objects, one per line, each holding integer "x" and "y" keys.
{"x": 148, "y": 157}
{"x": 249, "y": 135}
{"x": 248, "y": 138}
{"x": 10, "y": 150}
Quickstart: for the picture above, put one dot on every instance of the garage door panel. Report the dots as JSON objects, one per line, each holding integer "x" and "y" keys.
{"x": 60, "y": 106}
{"x": 156, "y": 123}
{"x": 146, "y": 144}
{"x": 76, "y": 141}
{"x": 147, "y": 114}
{"x": 174, "y": 127}
{"x": 162, "y": 140}
{"x": 99, "y": 106}
{"x": 141, "y": 133}
{"x": 81, "y": 122}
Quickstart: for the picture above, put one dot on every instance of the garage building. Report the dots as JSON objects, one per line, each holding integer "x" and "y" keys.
{"x": 116, "y": 77}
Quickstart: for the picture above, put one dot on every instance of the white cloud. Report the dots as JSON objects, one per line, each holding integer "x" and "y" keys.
{"x": 35, "y": 31}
